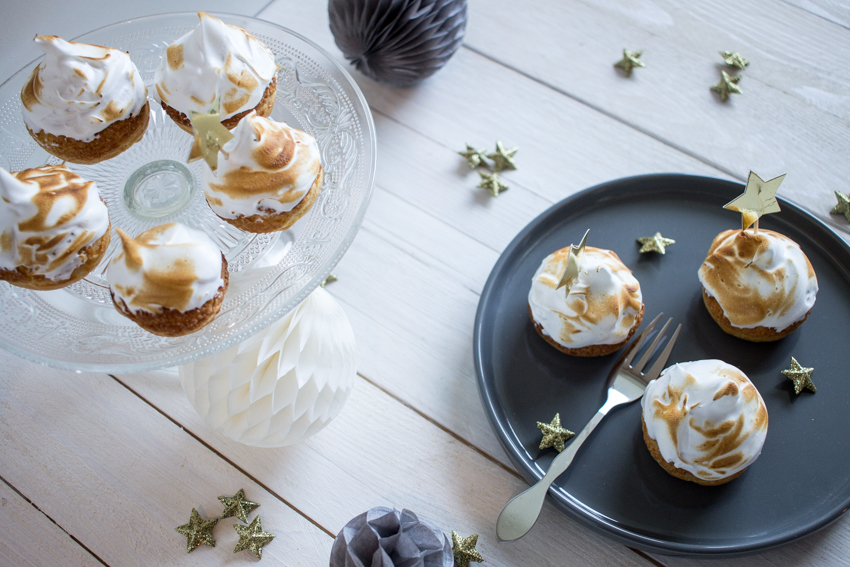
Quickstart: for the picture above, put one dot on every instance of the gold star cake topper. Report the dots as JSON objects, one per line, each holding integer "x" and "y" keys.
{"x": 734, "y": 59}
{"x": 654, "y": 243}
{"x": 464, "y": 551}
{"x": 553, "y": 434}
{"x": 759, "y": 198}
{"x": 252, "y": 537}
{"x": 801, "y": 376}
{"x": 574, "y": 263}
{"x": 492, "y": 183}
{"x": 237, "y": 506}
{"x": 474, "y": 157}
{"x": 728, "y": 85}
{"x": 630, "y": 60}
{"x": 843, "y": 206}
{"x": 210, "y": 135}
{"x": 198, "y": 531}
{"x": 503, "y": 159}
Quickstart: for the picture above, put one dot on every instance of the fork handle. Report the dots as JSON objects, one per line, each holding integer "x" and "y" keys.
{"x": 520, "y": 513}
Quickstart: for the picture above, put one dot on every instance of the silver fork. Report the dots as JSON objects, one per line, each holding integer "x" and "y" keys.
{"x": 626, "y": 383}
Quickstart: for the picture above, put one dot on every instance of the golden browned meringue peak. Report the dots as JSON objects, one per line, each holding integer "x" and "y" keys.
{"x": 267, "y": 168}
{"x": 47, "y": 216}
{"x": 759, "y": 280}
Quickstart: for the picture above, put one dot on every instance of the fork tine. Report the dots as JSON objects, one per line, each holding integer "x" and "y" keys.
{"x": 645, "y": 358}
{"x": 635, "y": 346}
{"x": 656, "y": 369}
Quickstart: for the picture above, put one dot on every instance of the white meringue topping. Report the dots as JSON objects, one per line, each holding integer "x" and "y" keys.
{"x": 602, "y": 305}
{"x": 707, "y": 418}
{"x": 79, "y": 90}
{"x": 170, "y": 265}
{"x": 47, "y": 216}
{"x": 761, "y": 280}
{"x": 211, "y": 61}
{"x": 266, "y": 168}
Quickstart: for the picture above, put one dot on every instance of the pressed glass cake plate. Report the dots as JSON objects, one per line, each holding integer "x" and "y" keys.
{"x": 150, "y": 184}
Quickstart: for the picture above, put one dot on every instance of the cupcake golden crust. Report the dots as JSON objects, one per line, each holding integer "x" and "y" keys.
{"x": 268, "y": 176}
{"x": 598, "y": 315}
{"x": 84, "y": 103}
{"x": 54, "y": 227}
{"x": 170, "y": 280}
{"x": 757, "y": 287}
{"x": 704, "y": 421}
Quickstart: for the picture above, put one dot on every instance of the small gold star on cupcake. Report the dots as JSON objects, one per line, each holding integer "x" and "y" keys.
{"x": 654, "y": 243}
{"x": 474, "y": 157}
{"x": 492, "y": 183}
{"x": 734, "y": 59}
{"x": 464, "y": 551}
{"x": 503, "y": 159}
{"x": 210, "y": 136}
{"x": 237, "y": 506}
{"x": 630, "y": 60}
{"x": 801, "y": 376}
{"x": 252, "y": 537}
{"x": 553, "y": 434}
{"x": 198, "y": 531}
{"x": 758, "y": 199}
{"x": 728, "y": 85}
{"x": 843, "y": 206}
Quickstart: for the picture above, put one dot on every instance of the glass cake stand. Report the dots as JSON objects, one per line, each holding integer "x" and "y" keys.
{"x": 150, "y": 184}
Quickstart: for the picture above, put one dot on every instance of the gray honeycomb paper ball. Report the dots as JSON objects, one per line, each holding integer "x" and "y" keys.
{"x": 398, "y": 42}
{"x": 384, "y": 537}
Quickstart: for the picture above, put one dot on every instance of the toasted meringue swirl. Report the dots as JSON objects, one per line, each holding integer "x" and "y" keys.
{"x": 211, "y": 61}
{"x": 47, "y": 216}
{"x": 601, "y": 307}
{"x": 170, "y": 265}
{"x": 80, "y": 89}
{"x": 266, "y": 168}
{"x": 759, "y": 280}
{"x": 707, "y": 418}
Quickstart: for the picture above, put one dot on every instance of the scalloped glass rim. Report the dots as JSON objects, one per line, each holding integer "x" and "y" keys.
{"x": 273, "y": 308}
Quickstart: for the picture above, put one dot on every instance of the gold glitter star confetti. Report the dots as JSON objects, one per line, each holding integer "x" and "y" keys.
{"x": 237, "y": 506}
{"x": 553, "y": 434}
{"x": 759, "y": 198}
{"x": 474, "y": 157}
{"x": 252, "y": 537}
{"x": 330, "y": 279}
{"x": 492, "y": 183}
{"x": 801, "y": 376}
{"x": 734, "y": 59}
{"x": 630, "y": 60}
{"x": 503, "y": 159}
{"x": 654, "y": 243}
{"x": 728, "y": 85}
{"x": 197, "y": 531}
{"x": 464, "y": 551}
{"x": 210, "y": 136}
{"x": 843, "y": 206}
{"x": 574, "y": 263}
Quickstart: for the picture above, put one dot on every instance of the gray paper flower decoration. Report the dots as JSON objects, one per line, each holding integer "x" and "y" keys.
{"x": 383, "y": 537}
{"x": 398, "y": 42}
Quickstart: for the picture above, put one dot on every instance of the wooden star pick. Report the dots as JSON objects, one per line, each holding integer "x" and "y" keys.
{"x": 630, "y": 60}
{"x": 492, "y": 183}
{"x": 728, "y": 85}
{"x": 252, "y": 537}
{"x": 734, "y": 59}
{"x": 503, "y": 159}
{"x": 655, "y": 243}
{"x": 574, "y": 263}
{"x": 759, "y": 198}
{"x": 464, "y": 551}
{"x": 843, "y": 206}
{"x": 474, "y": 157}
{"x": 553, "y": 434}
{"x": 210, "y": 136}
{"x": 198, "y": 531}
{"x": 237, "y": 506}
{"x": 801, "y": 376}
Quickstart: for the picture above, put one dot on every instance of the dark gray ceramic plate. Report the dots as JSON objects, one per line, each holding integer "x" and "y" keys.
{"x": 800, "y": 483}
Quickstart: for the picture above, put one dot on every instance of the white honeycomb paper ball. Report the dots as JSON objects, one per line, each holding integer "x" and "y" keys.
{"x": 283, "y": 384}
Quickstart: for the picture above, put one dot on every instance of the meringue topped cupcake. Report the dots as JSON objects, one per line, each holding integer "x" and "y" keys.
{"x": 600, "y": 311}
{"x": 170, "y": 280}
{"x": 54, "y": 227}
{"x": 84, "y": 103}
{"x": 216, "y": 60}
{"x": 268, "y": 176}
{"x": 757, "y": 286}
{"x": 704, "y": 421}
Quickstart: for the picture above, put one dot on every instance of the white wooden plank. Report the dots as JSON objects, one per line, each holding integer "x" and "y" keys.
{"x": 119, "y": 476}
{"x": 30, "y": 539}
{"x": 833, "y": 10}
{"x": 380, "y": 452}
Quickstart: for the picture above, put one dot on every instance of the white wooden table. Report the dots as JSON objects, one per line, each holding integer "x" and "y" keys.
{"x": 98, "y": 469}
